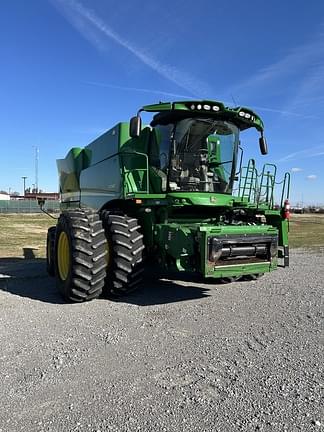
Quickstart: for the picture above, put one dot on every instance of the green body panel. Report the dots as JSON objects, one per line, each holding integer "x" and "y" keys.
{"x": 98, "y": 179}
{"x": 274, "y": 218}
{"x": 187, "y": 244}
{"x": 180, "y": 199}
{"x": 212, "y": 270}
{"x": 116, "y": 171}
{"x": 70, "y": 169}
{"x": 196, "y": 199}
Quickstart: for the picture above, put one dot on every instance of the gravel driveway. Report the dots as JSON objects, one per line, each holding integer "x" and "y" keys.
{"x": 175, "y": 356}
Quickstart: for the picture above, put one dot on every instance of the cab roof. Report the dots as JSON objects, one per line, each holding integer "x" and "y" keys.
{"x": 168, "y": 112}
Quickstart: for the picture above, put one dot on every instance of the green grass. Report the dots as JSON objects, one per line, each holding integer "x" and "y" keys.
{"x": 306, "y": 231}
{"x": 18, "y": 231}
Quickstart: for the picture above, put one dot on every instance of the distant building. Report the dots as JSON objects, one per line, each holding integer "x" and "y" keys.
{"x": 44, "y": 195}
{"x": 4, "y": 197}
{"x": 297, "y": 210}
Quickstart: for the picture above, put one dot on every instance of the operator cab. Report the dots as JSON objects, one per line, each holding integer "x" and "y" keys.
{"x": 193, "y": 146}
{"x": 196, "y": 154}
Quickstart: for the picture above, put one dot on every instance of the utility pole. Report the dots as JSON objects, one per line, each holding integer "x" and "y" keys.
{"x": 24, "y": 180}
{"x": 36, "y": 167}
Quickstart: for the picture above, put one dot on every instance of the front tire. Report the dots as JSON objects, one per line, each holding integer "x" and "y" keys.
{"x": 252, "y": 277}
{"x": 125, "y": 253}
{"x": 229, "y": 279}
{"x": 80, "y": 249}
{"x": 50, "y": 249}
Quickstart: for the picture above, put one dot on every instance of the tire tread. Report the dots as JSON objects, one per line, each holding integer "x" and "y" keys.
{"x": 126, "y": 247}
{"x": 88, "y": 269}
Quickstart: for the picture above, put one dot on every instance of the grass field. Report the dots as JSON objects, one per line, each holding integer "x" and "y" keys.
{"x": 18, "y": 231}
{"x": 307, "y": 230}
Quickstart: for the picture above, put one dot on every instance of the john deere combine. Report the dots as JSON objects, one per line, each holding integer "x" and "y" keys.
{"x": 175, "y": 191}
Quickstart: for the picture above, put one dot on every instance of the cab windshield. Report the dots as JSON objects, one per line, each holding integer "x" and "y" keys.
{"x": 202, "y": 156}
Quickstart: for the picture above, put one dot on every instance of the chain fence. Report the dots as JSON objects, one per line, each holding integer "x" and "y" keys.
{"x": 28, "y": 206}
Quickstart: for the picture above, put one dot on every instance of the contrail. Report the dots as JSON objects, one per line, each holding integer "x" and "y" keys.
{"x": 77, "y": 14}
{"x": 283, "y": 112}
{"x": 302, "y": 154}
{"x": 145, "y": 90}
{"x": 137, "y": 89}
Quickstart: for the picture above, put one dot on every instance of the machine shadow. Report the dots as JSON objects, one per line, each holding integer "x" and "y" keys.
{"x": 172, "y": 289}
{"x": 28, "y": 278}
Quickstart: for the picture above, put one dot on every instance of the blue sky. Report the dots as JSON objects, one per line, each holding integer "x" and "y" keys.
{"x": 71, "y": 69}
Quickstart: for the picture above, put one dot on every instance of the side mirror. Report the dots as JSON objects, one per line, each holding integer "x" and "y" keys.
{"x": 135, "y": 126}
{"x": 263, "y": 145}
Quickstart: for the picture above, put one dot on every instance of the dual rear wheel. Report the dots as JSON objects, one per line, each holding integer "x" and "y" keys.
{"x": 91, "y": 254}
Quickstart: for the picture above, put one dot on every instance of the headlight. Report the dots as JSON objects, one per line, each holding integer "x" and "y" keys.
{"x": 246, "y": 115}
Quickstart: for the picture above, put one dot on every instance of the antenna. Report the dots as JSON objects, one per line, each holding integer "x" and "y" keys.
{"x": 234, "y": 102}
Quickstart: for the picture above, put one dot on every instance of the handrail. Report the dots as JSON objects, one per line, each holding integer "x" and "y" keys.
{"x": 267, "y": 183}
{"x": 286, "y": 187}
{"x": 259, "y": 189}
{"x": 251, "y": 175}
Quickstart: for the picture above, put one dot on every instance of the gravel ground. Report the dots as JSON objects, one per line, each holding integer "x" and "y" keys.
{"x": 175, "y": 356}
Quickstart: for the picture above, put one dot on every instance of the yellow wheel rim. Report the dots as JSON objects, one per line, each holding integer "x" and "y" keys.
{"x": 63, "y": 256}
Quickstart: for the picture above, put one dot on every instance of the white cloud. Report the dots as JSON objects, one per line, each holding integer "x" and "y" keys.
{"x": 311, "y": 177}
{"x": 94, "y": 29}
{"x": 300, "y": 56}
{"x": 296, "y": 169}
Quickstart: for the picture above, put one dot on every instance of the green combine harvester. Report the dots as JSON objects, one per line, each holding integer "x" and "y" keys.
{"x": 174, "y": 192}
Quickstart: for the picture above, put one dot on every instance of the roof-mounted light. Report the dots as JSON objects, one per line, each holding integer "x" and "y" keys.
{"x": 246, "y": 115}
{"x": 204, "y": 106}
